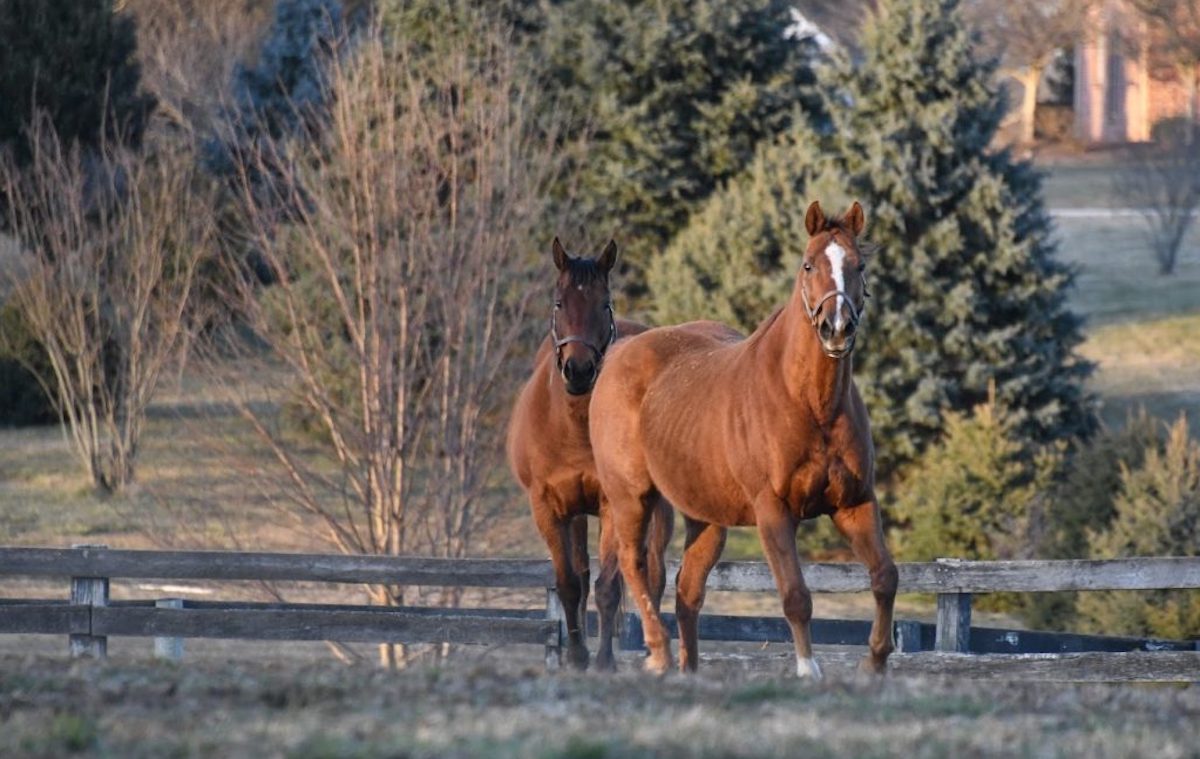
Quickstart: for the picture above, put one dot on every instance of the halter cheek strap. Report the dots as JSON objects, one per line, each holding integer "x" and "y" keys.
{"x": 856, "y": 312}
{"x": 597, "y": 353}
{"x": 815, "y": 311}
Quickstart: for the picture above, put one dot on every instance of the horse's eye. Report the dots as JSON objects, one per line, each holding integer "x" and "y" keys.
{"x": 807, "y": 266}
{"x": 558, "y": 304}
{"x": 862, "y": 266}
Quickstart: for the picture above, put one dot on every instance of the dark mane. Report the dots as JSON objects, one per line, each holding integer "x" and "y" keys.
{"x": 584, "y": 271}
{"x": 837, "y": 223}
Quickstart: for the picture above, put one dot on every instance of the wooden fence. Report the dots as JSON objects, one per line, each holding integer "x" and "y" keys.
{"x": 90, "y": 617}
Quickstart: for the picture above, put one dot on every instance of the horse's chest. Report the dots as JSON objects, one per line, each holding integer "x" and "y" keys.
{"x": 824, "y": 482}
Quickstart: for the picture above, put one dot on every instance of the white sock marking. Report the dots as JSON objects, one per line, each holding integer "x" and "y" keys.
{"x": 808, "y": 669}
{"x": 837, "y": 267}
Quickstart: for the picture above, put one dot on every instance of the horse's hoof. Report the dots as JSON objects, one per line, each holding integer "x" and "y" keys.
{"x": 658, "y": 664}
{"x": 605, "y": 663}
{"x": 808, "y": 669}
{"x": 579, "y": 658}
{"x": 868, "y": 665}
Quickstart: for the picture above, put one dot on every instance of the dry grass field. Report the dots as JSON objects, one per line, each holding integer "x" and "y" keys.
{"x": 485, "y": 707}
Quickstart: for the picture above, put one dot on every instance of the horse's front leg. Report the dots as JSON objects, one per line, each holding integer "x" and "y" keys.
{"x": 580, "y": 564}
{"x": 777, "y": 531}
{"x": 608, "y": 589}
{"x": 863, "y": 528}
{"x": 557, "y": 534}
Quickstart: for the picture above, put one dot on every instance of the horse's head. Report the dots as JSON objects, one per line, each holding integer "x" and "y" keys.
{"x": 832, "y": 279}
{"x": 581, "y": 324}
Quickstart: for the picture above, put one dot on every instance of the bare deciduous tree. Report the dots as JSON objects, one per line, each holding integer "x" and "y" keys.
{"x": 1026, "y": 35}
{"x": 1164, "y": 183}
{"x": 189, "y": 50}
{"x": 110, "y": 245}
{"x": 400, "y": 240}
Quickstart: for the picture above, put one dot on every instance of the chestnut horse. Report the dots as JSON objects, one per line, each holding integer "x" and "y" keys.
{"x": 767, "y": 430}
{"x": 551, "y": 456}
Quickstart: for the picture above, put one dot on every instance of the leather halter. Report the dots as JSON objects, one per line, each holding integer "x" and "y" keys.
{"x": 856, "y": 312}
{"x": 598, "y": 353}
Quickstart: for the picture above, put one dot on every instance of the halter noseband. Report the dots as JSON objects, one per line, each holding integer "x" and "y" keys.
{"x": 856, "y": 312}
{"x": 598, "y": 353}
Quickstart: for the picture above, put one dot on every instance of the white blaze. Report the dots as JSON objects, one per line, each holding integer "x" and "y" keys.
{"x": 837, "y": 266}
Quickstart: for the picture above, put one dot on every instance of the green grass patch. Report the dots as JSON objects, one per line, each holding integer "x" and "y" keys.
{"x": 1118, "y": 279}
{"x": 1092, "y": 185}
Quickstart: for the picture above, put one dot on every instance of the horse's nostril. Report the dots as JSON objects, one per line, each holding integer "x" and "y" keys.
{"x": 826, "y": 330}
{"x": 850, "y": 327}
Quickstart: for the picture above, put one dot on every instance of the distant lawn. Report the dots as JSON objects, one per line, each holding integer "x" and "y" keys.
{"x": 1090, "y": 185}
{"x": 1118, "y": 276}
{"x": 1149, "y": 364}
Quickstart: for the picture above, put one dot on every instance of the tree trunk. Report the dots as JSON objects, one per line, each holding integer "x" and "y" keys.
{"x": 1189, "y": 82}
{"x": 1030, "y": 78}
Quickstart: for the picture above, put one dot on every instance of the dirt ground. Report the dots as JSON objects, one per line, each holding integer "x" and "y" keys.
{"x": 486, "y": 703}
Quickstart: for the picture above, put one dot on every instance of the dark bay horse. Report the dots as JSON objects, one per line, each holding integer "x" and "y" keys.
{"x": 767, "y": 430}
{"x": 551, "y": 456}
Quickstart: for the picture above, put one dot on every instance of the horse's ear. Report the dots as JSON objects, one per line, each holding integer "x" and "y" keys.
{"x": 560, "y": 255}
{"x": 814, "y": 220}
{"x": 608, "y": 257}
{"x": 856, "y": 220}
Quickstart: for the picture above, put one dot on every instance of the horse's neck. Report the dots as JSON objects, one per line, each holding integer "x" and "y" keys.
{"x": 562, "y": 405}
{"x": 811, "y": 379}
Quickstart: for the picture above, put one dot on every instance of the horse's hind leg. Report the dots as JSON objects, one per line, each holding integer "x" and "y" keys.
{"x": 701, "y": 552}
{"x": 630, "y": 521}
{"x": 662, "y": 527}
{"x": 556, "y": 533}
{"x": 608, "y": 590}
{"x": 862, "y": 527}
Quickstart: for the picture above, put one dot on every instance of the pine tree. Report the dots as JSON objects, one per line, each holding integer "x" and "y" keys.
{"x": 282, "y": 95}
{"x": 734, "y": 262}
{"x": 73, "y": 60}
{"x": 965, "y": 285}
{"x": 675, "y": 96}
{"x": 1157, "y": 514}
{"x": 964, "y": 282}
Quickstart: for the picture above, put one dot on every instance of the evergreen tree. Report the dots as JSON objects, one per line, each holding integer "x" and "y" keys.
{"x": 964, "y": 282}
{"x": 675, "y": 94}
{"x": 73, "y": 60}
{"x": 735, "y": 260}
{"x": 971, "y": 495}
{"x": 282, "y": 95}
{"x": 1157, "y": 514}
{"x": 965, "y": 285}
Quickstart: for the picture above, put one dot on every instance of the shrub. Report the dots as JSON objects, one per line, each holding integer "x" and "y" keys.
{"x": 1083, "y": 500}
{"x": 1157, "y": 514}
{"x": 971, "y": 495}
{"x": 23, "y": 400}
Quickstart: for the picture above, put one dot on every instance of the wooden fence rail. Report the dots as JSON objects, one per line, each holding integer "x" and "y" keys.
{"x": 90, "y": 617}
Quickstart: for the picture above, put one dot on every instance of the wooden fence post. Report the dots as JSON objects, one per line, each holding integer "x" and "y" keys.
{"x": 89, "y": 591}
{"x": 170, "y": 649}
{"x": 953, "y": 622}
{"x": 554, "y": 612}
{"x": 908, "y": 637}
